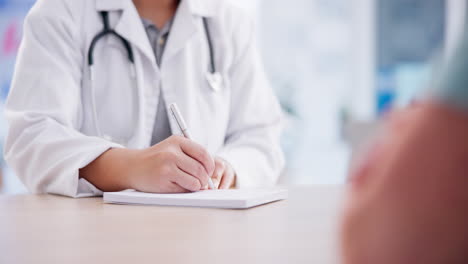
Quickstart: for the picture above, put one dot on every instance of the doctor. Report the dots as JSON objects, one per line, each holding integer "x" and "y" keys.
{"x": 94, "y": 78}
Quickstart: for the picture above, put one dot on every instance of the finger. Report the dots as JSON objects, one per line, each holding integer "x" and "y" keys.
{"x": 187, "y": 181}
{"x": 227, "y": 180}
{"x": 198, "y": 153}
{"x": 194, "y": 168}
{"x": 220, "y": 167}
{"x": 175, "y": 188}
{"x": 215, "y": 184}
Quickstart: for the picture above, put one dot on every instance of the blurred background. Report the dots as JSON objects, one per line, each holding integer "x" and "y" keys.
{"x": 337, "y": 67}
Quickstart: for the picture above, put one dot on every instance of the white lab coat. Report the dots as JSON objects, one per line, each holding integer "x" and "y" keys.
{"x": 52, "y": 134}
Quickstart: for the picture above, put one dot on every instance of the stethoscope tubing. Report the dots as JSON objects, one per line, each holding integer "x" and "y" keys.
{"x": 108, "y": 31}
{"x": 128, "y": 48}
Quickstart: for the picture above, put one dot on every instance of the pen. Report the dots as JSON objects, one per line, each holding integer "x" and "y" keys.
{"x": 183, "y": 127}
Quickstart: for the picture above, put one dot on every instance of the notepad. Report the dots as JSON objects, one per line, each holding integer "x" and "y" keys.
{"x": 235, "y": 198}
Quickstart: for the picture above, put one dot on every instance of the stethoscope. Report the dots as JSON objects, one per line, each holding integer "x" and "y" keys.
{"x": 213, "y": 77}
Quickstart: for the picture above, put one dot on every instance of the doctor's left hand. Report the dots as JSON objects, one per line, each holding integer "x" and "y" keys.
{"x": 224, "y": 176}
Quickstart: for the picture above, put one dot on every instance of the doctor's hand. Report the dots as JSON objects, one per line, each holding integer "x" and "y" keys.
{"x": 174, "y": 165}
{"x": 223, "y": 176}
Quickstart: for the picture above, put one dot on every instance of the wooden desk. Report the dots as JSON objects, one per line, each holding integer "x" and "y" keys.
{"x": 53, "y": 229}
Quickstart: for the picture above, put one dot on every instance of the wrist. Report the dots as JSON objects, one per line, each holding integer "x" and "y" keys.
{"x": 111, "y": 171}
{"x": 124, "y": 166}
{"x": 129, "y": 167}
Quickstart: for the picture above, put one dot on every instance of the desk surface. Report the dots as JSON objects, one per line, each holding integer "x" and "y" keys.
{"x": 53, "y": 229}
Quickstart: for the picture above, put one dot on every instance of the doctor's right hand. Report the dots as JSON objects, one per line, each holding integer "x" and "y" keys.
{"x": 174, "y": 165}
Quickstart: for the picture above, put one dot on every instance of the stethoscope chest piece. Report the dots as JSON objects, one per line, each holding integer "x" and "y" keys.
{"x": 215, "y": 80}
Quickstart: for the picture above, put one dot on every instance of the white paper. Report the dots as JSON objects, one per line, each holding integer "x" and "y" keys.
{"x": 237, "y": 198}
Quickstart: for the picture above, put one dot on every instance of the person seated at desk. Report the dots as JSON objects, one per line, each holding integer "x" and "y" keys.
{"x": 88, "y": 107}
{"x": 408, "y": 199}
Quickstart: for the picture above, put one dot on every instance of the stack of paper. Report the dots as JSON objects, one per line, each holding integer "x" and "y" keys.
{"x": 236, "y": 198}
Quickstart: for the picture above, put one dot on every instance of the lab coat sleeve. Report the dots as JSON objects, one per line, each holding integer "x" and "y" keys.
{"x": 44, "y": 146}
{"x": 252, "y": 145}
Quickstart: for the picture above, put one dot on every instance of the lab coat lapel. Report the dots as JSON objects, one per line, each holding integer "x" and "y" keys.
{"x": 186, "y": 24}
{"x": 183, "y": 29}
{"x": 129, "y": 24}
